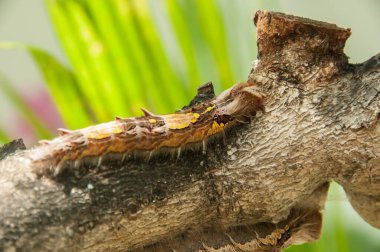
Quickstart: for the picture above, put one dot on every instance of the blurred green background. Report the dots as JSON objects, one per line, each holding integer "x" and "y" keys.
{"x": 73, "y": 63}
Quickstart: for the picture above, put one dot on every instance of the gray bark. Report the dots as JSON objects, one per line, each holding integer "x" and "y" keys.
{"x": 263, "y": 189}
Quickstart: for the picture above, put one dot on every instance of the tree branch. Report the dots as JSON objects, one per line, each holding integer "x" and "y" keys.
{"x": 263, "y": 189}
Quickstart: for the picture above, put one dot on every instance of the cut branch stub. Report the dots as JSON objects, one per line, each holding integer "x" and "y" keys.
{"x": 297, "y": 44}
{"x": 312, "y": 88}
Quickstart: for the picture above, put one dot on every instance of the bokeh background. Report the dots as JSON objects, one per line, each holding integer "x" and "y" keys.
{"x": 72, "y": 63}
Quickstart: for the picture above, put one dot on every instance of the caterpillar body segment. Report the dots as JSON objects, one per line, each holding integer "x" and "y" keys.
{"x": 205, "y": 117}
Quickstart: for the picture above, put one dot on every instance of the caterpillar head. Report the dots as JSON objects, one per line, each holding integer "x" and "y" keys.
{"x": 241, "y": 102}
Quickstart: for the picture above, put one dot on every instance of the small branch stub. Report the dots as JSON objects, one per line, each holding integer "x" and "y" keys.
{"x": 298, "y": 46}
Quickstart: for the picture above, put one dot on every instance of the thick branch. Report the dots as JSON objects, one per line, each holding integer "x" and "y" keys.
{"x": 271, "y": 177}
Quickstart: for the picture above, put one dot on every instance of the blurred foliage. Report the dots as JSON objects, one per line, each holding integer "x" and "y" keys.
{"x": 3, "y": 137}
{"x": 120, "y": 62}
{"x": 23, "y": 108}
{"x": 120, "y": 59}
{"x": 127, "y": 54}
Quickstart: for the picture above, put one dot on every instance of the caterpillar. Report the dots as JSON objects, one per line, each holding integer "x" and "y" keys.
{"x": 207, "y": 115}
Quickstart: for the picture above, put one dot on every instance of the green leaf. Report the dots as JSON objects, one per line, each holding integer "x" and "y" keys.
{"x": 3, "y": 137}
{"x": 12, "y": 94}
{"x": 62, "y": 85}
{"x": 138, "y": 54}
{"x": 109, "y": 30}
{"x": 185, "y": 41}
{"x": 209, "y": 14}
{"x": 83, "y": 48}
{"x": 166, "y": 91}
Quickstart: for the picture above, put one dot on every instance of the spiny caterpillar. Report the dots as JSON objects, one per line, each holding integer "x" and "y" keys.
{"x": 205, "y": 116}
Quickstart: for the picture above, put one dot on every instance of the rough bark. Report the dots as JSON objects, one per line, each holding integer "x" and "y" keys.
{"x": 263, "y": 189}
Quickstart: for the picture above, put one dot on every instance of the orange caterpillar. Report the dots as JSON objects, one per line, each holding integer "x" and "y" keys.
{"x": 206, "y": 116}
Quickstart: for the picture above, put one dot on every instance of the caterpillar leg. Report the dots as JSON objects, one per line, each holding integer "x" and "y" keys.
{"x": 178, "y": 153}
{"x": 204, "y": 146}
{"x": 99, "y": 163}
